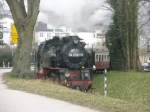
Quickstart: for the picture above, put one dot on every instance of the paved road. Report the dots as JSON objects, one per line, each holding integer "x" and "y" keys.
{"x": 17, "y": 101}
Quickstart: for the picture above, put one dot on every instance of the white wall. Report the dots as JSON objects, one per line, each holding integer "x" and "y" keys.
{"x": 91, "y": 39}
{"x": 41, "y": 36}
{"x": 6, "y": 22}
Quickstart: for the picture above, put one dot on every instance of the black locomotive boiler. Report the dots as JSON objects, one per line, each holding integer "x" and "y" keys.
{"x": 66, "y": 52}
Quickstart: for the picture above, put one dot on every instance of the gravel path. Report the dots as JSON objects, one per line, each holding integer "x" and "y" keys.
{"x": 17, "y": 101}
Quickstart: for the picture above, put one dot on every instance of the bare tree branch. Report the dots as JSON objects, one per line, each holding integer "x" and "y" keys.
{"x": 33, "y": 11}
{"x": 17, "y": 8}
{"x": 22, "y": 5}
{"x": 143, "y": 24}
{"x": 11, "y": 6}
{"x": 107, "y": 8}
{"x": 30, "y": 7}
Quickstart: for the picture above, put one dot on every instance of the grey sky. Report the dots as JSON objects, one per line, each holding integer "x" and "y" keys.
{"x": 77, "y": 14}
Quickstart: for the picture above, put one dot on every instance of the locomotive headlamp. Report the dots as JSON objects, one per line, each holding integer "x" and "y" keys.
{"x": 67, "y": 74}
{"x": 76, "y": 41}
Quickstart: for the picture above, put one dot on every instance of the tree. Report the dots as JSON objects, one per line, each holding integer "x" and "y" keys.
{"x": 24, "y": 19}
{"x": 123, "y": 35}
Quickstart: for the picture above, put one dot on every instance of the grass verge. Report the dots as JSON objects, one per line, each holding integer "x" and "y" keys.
{"x": 97, "y": 102}
{"x": 129, "y": 86}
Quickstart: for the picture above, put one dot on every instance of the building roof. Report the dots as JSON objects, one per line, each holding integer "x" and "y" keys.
{"x": 101, "y": 49}
{"x": 41, "y": 27}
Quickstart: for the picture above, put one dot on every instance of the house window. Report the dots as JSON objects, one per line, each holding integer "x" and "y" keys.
{"x": 41, "y": 34}
{"x": 102, "y": 58}
{"x": 96, "y": 58}
{"x": 105, "y": 57}
{"x": 48, "y": 35}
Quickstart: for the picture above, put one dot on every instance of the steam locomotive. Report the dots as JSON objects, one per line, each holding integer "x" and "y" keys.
{"x": 65, "y": 60}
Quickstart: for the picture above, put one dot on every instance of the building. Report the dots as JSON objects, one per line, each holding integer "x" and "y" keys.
{"x": 100, "y": 38}
{"x": 144, "y": 50}
{"x": 144, "y": 56}
{"x": 43, "y": 32}
{"x": 62, "y": 31}
{"x": 93, "y": 39}
{"x": 87, "y": 37}
{"x": 5, "y": 24}
{"x": 4, "y": 10}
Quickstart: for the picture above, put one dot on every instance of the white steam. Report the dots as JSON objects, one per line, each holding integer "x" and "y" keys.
{"x": 83, "y": 15}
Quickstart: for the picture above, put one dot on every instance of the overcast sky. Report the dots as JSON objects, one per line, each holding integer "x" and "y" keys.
{"x": 77, "y": 14}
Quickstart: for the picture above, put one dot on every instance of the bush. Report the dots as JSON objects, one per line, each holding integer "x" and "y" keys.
{"x": 6, "y": 56}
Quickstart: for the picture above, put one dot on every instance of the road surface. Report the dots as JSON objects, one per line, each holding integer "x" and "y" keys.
{"x": 17, "y": 101}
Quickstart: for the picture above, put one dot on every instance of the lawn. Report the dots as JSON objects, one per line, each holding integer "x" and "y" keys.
{"x": 129, "y": 86}
{"x": 95, "y": 101}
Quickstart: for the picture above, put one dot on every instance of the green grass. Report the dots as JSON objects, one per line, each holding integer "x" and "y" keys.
{"x": 94, "y": 101}
{"x": 129, "y": 86}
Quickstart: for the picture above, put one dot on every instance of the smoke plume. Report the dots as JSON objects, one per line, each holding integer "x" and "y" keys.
{"x": 80, "y": 15}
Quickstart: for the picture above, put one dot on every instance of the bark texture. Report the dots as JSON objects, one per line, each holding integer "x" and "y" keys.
{"x": 24, "y": 21}
{"x": 123, "y": 35}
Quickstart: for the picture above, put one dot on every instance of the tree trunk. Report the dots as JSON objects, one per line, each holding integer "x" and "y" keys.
{"x": 24, "y": 19}
{"x": 123, "y": 35}
{"x": 134, "y": 51}
{"x": 21, "y": 67}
